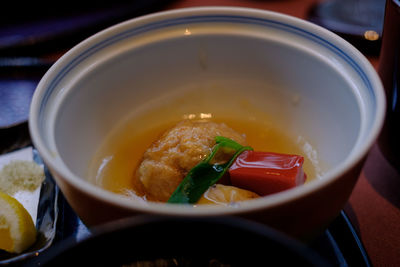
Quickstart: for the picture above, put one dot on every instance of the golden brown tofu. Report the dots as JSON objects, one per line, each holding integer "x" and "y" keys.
{"x": 167, "y": 161}
{"x": 225, "y": 195}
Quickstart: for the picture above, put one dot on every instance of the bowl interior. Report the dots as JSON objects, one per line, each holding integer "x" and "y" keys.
{"x": 251, "y": 63}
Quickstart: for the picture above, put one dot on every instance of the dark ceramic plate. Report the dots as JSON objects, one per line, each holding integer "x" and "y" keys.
{"x": 168, "y": 241}
{"x": 339, "y": 245}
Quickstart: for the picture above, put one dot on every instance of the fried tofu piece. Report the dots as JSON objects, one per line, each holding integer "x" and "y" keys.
{"x": 225, "y": 195}
{"x": 167, "y": 161}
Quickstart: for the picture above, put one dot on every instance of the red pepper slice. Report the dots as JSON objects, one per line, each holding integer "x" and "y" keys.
{"x": 266, "y": 173}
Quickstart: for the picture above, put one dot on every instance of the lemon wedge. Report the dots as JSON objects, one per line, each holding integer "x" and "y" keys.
{"x": 17, "y": 231}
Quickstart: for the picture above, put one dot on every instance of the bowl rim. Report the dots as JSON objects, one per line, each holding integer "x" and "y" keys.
{"x": 271, "y": 201}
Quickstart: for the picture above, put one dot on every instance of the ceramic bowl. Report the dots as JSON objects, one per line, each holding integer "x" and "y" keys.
{"x": 303, "y": 76}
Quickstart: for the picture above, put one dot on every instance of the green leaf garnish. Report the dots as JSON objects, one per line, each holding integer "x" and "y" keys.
{"x": 208, "y": 171}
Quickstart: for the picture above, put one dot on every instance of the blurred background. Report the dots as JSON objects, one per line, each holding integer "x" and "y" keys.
{"x": 34, "y": 34}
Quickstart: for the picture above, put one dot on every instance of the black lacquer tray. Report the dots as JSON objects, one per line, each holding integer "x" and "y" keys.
{"x": 339, "y": 244}
{"x": 57, "y": 222}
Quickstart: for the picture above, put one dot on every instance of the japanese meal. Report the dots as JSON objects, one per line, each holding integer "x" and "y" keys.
{"x": 201, "y": 159}
{"x": 304, "y": 96}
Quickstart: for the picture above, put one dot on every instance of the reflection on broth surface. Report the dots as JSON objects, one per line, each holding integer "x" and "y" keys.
{"x": 115, "y": 165}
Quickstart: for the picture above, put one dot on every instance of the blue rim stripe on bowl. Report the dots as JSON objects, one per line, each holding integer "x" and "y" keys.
{"x": 202, "y": 19}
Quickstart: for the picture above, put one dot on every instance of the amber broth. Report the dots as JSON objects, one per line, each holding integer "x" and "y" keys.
{"x": 117, "y": 163}
{"x": 113, "y": 166}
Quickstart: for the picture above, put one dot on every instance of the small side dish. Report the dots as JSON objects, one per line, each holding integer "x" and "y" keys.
{"x": 17, "y": 228}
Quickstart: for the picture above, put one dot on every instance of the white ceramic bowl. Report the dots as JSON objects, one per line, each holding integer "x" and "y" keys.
{"x": 323, "y": 87}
